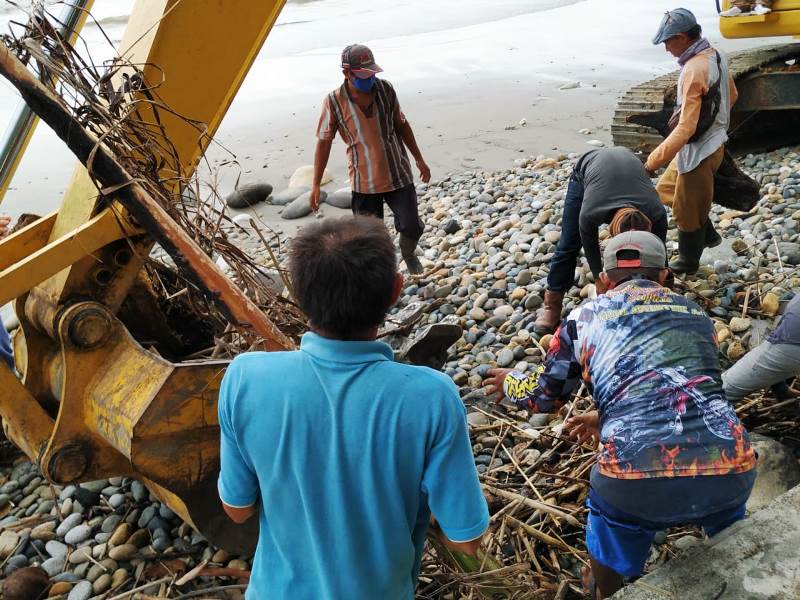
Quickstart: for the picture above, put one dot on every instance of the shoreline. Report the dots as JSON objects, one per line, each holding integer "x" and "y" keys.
{"x": 465, "y": 90}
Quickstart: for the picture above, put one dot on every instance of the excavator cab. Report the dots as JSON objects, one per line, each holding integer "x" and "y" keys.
{"x": 92, "y": 399}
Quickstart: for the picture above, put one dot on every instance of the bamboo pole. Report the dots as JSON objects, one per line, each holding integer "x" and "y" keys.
{"x": 544, "y": 507}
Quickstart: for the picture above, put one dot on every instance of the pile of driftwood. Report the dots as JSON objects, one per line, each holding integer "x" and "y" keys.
{"x": 110, "y": 117}
{"x": 536, "y": 483}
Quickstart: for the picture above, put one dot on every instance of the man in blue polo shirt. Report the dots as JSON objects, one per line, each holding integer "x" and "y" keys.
{"x": 343, "y": 453}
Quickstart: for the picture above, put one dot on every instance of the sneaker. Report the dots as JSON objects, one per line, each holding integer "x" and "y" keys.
{"x": 734, "y": 11}
{"x": 760, "y": 9}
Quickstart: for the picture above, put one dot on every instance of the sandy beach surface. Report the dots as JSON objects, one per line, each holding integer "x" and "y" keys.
{"x": 468, "y": 73}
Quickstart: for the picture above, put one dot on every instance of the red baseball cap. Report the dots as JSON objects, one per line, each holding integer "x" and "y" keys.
{"x": 359, "y": 59}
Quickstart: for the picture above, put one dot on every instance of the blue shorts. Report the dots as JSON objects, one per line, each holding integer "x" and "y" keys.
{"x": 621, "y": 541}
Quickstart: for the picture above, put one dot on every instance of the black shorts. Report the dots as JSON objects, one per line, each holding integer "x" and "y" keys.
{"x": 403, "y": 204}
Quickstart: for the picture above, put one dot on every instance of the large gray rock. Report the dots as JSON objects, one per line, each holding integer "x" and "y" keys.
{"x": 68, "y": 523}
{"x": 248, "y": 195}
{"x": 81, "y": 591}
{"x": 300, "y": 206}
{"x": 78, "y": 534}
{"x": 283, "y": 198}
{"x": 778, "y": 471}
{"x": 754, "y": 559}
{"x": 56, "y": 549}
{"x": 54, "y": 566}
{"x": 342, "y": 198}
{"x": 791, "y": 251}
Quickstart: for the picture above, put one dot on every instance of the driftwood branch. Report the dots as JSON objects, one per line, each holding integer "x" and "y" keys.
{"x": 197, "y": 266}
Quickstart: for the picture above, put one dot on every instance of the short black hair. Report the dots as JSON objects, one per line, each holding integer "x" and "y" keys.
{"x": 695, "y": 32}
{"x": 620, "y": 275}
{"x": 343, "y": 273}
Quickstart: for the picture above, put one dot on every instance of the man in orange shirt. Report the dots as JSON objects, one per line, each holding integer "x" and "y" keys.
{"x": 693, "y": 150}
{"x": 366, "y": 114}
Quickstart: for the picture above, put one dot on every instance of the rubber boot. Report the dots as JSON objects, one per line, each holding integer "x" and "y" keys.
{"x": 408, "y": 249}
{"x": 690, "y": 248}
{"x": 551, "y": 316}
{"x": 712, "y": 238}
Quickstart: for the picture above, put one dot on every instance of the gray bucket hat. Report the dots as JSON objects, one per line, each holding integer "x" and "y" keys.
{"x": 674, "y": 22}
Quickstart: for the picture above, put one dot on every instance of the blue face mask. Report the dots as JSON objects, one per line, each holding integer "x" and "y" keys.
{"x": 364, "y": 85}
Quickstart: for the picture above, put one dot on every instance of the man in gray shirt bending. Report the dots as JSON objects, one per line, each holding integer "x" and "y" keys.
{"x": 610, "y": 186}
{"x": 770, "y": 364}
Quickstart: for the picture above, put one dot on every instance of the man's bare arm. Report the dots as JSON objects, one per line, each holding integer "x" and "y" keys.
{"x": 470, "y": 547}
{"x": 239, "y": 514}
{"x": 321, "y": 156}
{"x": 407, "y": 135}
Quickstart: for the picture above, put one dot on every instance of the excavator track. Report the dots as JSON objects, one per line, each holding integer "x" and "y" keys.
{"x": 641, "y": 115}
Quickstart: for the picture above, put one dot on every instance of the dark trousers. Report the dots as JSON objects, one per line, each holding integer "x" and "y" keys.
{"x": 403, "y": 204}
{"x": 565, "y": 258}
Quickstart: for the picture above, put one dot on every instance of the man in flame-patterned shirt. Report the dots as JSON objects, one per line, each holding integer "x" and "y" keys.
{"x": 672, "y": 448}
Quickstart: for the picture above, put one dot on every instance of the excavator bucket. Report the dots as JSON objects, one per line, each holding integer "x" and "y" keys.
{"x": 91, "y": 401}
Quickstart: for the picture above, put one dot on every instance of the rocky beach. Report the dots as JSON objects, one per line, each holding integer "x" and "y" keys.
{"x": 489, "y": 236}
{"x": 503, "y": 98}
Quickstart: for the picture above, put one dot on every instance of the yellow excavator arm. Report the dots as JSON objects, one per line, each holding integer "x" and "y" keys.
{"x": 91, "y": 402}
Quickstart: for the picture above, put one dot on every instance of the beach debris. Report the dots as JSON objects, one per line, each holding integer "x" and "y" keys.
{"x": 304, "y": 177}
{"x": 523, "y": 122}
{"x": 546, "y": 163}
{"x": 244, "y": 220}
{"x": 570, "y": 85}
{"x": 596, "y": 143}
{"x": 248, "y": 195}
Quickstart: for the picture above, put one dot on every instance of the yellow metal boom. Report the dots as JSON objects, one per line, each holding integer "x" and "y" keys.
{"x": 92, "y": 402}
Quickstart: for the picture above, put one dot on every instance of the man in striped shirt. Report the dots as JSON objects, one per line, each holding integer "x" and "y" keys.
{"x": 365, "y": 112}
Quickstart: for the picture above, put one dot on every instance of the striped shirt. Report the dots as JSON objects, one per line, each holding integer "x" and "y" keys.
{"x": 377, "y": 159}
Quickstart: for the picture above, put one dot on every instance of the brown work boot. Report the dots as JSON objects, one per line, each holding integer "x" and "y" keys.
{"x": 551, "y": 316}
